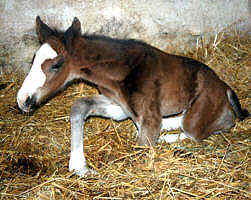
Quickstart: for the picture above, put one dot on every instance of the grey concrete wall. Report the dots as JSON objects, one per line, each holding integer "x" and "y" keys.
{"x": 159, "y": 22}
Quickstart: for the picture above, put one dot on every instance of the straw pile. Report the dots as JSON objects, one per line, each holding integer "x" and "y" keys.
{"x": 34, "y": 150}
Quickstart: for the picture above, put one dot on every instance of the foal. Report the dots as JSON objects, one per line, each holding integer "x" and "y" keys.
{"x": 135, "y": 80}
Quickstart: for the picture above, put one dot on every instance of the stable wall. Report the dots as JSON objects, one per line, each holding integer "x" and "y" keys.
{"x": 162, "y": 23}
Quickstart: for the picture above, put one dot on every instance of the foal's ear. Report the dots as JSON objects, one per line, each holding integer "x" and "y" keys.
{"x": 43, "y": 31}
{"x": 72, "y": 32}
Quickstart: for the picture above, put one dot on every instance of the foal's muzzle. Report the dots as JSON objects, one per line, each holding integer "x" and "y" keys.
{"x": 28, "y": 105}
{"x": 30, "y": 101}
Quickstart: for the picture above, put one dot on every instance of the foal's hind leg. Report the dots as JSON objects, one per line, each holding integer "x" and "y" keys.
{"x": 197, "y": 119}
{"x": 80, "y": 111}
{"x": 206, "y": 116}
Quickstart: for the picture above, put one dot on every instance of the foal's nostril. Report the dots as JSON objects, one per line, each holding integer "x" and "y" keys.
{"x": 27, "y": 102}
{"x": 30, "y": 101}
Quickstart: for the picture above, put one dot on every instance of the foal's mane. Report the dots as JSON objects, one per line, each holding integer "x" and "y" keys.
{"x": 109, "y": 40}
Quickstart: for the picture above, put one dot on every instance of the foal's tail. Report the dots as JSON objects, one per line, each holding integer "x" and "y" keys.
{"x": 235, "y": 103}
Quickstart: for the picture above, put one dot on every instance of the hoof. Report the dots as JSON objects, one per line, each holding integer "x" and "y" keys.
{"x": 84, "y": 172}
{"x": 78, "y": 164}
{"x": 80, "y": 168}
{"x": 81, "y": 172}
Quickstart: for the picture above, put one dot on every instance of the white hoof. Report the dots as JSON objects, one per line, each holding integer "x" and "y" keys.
{"x": 77, "y": 163}
{"x": 81, "y": 172}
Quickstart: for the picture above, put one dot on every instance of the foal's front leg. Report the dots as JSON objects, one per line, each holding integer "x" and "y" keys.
{"x": 149, "y": 125}
{"x": 80, "y": 111}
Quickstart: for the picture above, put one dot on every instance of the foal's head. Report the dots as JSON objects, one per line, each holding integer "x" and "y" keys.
{"x": 52, "y": 65}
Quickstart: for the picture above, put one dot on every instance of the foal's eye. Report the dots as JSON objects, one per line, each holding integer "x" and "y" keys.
{"x": 57, "y": 65}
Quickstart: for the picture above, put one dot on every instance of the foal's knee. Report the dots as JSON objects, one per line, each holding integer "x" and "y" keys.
{"x": 81, "y": 106}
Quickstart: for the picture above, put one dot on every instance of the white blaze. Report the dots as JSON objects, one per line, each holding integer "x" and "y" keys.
{"x": 36, "y": 77}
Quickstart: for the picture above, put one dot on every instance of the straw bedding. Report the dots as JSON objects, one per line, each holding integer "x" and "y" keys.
{"x": 35, "y": 149}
